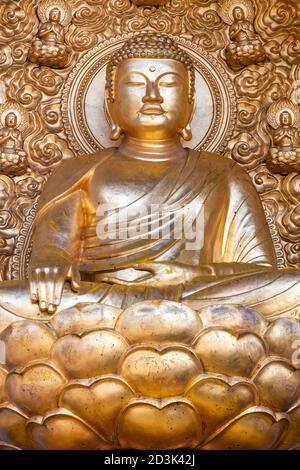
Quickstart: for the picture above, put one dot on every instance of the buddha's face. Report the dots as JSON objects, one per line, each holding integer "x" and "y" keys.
{"x": 238, "y": 14}
{"x": 54, "y": 15}
{"x": 11, "y": 120}
{"x": 285, "y": 119}
{"x": 151, "y": 98}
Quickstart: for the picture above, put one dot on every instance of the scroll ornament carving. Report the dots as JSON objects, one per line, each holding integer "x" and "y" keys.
{"x": 150, "y": 3}
{"x": 278, "y": 25}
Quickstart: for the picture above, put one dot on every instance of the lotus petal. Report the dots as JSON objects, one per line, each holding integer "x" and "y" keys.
{"x": 26, "y": 341}
{"x": 84, "y": 317}
{"x": 256, "y": 429}
{"x": 228, "y": 352}
{"x": 36, "y": 388}
{"x": 233, "y": 317}
{"x": 292, "y": 437}
{"x": 160, "y": 373}
{"x": 6, "y": 446}
{"x": 13, "y": 427}
{"x": 91, "y": 354}
{"x": 279, "y": 385}
{"x": 61, "y": 430}
{"x": 159, "y": 322}
{"x": 283, "y": 339}
{"x": 219, "y": 399}
{"x": 159, "y": 425}
{"x": 98, "y": 402}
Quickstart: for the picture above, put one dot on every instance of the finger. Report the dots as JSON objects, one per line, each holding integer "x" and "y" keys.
{"x": 58, "y": 290}
{"x": 115, "y": 280}
{"x": 33, "y": 286}
{"x": 75, "y": 279}
{"x": 42, "y": 290}
{"x": 146, "y": 267}
{"x": 50, "y": 276}
{"x": 51, "y": 309}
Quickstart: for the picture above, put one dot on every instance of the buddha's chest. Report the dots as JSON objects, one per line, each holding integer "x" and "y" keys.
{"x": 119, "y": 184}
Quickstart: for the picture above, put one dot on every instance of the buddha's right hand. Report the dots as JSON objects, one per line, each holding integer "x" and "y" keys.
{"x": 47, "y": 283}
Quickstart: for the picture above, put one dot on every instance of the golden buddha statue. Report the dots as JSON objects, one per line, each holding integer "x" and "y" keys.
{"x": 284, "y": 120}
{"x": 13, "y": 158}
{"x": 130, "y": 364}
{"x": 49, "y": 48}
{"x": 150, "y": 90}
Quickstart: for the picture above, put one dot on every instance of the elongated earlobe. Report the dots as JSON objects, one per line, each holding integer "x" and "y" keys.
{"x": 186, "y": 133}
{"x": 116, "y": 132}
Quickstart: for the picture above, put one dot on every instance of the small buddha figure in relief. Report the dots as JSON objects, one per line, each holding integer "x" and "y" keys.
{"x": 246, "y": 47}
{"x": 49, "y": 48}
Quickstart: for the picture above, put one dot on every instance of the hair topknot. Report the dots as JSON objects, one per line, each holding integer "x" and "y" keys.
{"x": 150, "y": 45}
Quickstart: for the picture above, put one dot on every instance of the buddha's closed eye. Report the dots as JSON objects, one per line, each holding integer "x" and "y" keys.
{"x": 166, "y": 84}
{"x": 134, "y": 83}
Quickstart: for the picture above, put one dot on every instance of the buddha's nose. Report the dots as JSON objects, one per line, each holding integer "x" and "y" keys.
{"x": 152, "y": 94}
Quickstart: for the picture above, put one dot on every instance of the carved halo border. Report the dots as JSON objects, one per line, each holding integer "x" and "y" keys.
{"x": 21, "y": 257}
{"x": 74, "y": 93}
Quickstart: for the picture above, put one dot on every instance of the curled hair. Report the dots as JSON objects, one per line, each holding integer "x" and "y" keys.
{"x": 150, "y": 45}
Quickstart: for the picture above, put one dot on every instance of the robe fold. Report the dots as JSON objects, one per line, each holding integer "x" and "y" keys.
{"x": 228, "y": 234}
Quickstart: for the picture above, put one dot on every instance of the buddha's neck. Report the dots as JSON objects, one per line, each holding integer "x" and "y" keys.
{"x": 159, "y": 150}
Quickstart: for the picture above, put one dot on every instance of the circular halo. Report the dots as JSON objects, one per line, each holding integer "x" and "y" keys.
{"x": 45, "y": 6}
{"x": 277, "y": 108}
{"x": 83, "y": 110}
{"x": 13, "y": 107}
{"x": 227, "y": 7}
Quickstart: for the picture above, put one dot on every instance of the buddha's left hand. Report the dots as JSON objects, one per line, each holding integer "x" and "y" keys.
{"x": 162, "y": 274}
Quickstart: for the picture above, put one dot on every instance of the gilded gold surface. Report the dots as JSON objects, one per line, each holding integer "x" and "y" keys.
{"x": 167, "y": 377}
{"x": 150, "y": 90}
{"x": 284, "y": 118}
{"x": 48, "y": 140}
{"x": 246, "y": 47}
{"x": 198, "y": 371}
{"x": 49, "y": 47}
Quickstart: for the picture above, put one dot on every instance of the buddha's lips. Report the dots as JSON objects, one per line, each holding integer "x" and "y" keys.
{"x": 152, "y": 110}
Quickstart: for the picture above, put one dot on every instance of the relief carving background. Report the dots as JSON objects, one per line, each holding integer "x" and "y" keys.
{"x": 38, "y": 89}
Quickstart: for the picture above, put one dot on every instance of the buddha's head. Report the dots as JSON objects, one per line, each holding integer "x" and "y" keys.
{"x": 11, "y": 120}
{"x": 150, "y": 89}
{"x": 54, "y": 15}
{"x": 238, "y": 14}
{"x": 285, "y": 119}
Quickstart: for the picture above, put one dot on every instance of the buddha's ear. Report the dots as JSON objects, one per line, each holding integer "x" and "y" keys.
{"x": 116, "y": 131}
{"x": 186, "y": 132}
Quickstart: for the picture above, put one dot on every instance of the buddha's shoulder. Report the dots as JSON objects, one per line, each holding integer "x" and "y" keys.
{"x": 74, "y": 169}
{"x": 215, "y": 162}
{"x": 71, "y": 173}
{"x": 226, "y": 168}
{"x": 84, "y": 162}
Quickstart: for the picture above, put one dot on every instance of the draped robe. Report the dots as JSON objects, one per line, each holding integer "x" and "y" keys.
{"x": 235, "y": 241}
